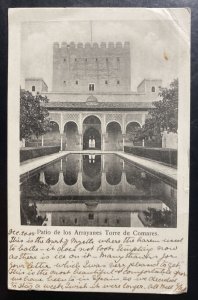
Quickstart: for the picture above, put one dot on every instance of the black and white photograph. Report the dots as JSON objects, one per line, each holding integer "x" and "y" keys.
{"x": 98, "y": 148}
{"x": 99, "y": 123}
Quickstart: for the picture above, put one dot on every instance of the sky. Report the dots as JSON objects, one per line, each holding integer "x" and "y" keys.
{"x": 154, "y": 46}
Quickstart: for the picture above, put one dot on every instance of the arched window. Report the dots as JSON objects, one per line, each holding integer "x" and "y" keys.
{"x": 153, "y": 89}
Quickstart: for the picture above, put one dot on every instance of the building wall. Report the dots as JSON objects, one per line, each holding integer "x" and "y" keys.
{"x": 147, "y": 85}
{"x": 141, "y": 87}
{"x": 35, "y": 85}
{"x": 107, "y": 66}
{"x": 101, "y": 97}
{"x": 91, "y": 218}
{"x": 105, "y": 214}
{"x": 169, "y": 140}
{"x": 123, "y": 118}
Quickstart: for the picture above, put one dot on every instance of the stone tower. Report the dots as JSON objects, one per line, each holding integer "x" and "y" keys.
{"x": 90, "y": 68}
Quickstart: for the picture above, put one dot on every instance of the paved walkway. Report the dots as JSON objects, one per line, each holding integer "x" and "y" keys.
{"x": 35, "y": 163}
{"x": 135, "y": 221}
{"x": 154, "y": 167}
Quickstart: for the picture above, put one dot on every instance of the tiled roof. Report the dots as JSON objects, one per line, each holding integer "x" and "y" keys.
{"x": 99, "y": 105}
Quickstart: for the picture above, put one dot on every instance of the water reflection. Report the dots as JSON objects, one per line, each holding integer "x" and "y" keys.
{"x": 95, "y": 190}
{"x": 140, "y": 178}
{"x": 52, "y": 173}
{"x": 114, "y": 170}
{"x": 91, "y": 172}
{"x": 70, "y": 169}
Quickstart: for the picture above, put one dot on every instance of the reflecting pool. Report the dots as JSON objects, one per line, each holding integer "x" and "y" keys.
{"x": 96, "y": 190}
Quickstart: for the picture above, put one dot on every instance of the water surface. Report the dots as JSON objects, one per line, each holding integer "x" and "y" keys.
{"x": 96, "y": 190}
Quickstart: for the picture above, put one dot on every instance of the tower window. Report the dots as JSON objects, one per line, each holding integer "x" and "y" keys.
{"x": 64, "y": 59}
{"x": 106, "y": 59}
{"x": 64, "y": 82}
{"x": 96, "y": 59}
{"x": 118, "y": 59}
{"x": 118, "y": 81}
{"x": 91, "y": 216}
{"x": 105, "y": 221}
{"x": 33, "y": 88}
{"x": 91, "y": 87}
{"x": 75, "y": 221}
{"x": 76, "y": 82}
{"x": 85, "y": 59}
{"x": 106, "y": 82}
{"x": 75, "y": 59}
{"x": 153, "y": 89}
{"x": 118, "y": 221}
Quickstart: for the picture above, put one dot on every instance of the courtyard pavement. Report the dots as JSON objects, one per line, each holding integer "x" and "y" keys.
{"x": 166, "y": 172}
{"x": 35, "y": 163}
{"x": 151, "y": 165}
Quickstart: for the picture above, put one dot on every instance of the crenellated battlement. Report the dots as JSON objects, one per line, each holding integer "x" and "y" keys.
{"x": 88, "y": 45}
{"x": 91, "y": 66}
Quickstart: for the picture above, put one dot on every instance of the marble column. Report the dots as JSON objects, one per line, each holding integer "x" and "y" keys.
{"x": 61, "y": 182}
{"x": 123, "y": 141}
{"x": 123, "y": 181}
{"x": 80, "y": 163}
{"x": 123, "y": 165}
{"x": 103, "y": 163}
{"x": 61, "y": 165}
{"x": 42, "y": 176}
{"x": 103, "y": 142}
{"x": 42, "y": 140}
{"x": 103, "y": 182}
{"x": 61, "y": 145}
{"x": 80, "y": 141}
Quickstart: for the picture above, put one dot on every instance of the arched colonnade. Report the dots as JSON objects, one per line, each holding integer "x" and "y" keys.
{"x": 93, "y": 130}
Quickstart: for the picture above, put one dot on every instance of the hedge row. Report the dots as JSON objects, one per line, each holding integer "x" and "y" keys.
{"x": 164, "y": 155}
{"x": 36, "y": 152}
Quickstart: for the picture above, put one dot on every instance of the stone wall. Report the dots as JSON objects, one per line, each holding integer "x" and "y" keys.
{"x": 38, "y": 84}
{"x": 29, "y": 153}
{"x": 107, "y": 66}
{"x": 101, "y": 97}
{"x": 167, "y": 156}
{"x": 149, "y": 86}
{"x": 169, "y": 140}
